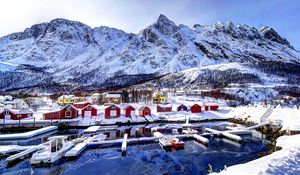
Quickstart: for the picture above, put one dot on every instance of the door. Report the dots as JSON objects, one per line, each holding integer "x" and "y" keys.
{"x": 132, "y": 113}
{"x": 146, "y": 112}
{"x": 87, "y": 113}
{"x": 113, "y": 113}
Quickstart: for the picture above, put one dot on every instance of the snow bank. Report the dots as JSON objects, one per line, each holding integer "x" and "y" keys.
{"x": 285, "y": 161}
{"x": 27, "y": 135}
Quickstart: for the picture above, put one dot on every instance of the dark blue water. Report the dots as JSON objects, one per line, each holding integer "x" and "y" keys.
{"x": 151, "y": 159}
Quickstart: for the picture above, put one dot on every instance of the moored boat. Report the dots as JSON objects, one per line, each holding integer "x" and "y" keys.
{"x": 177, "y": 143}
{"x": 53, "y": 151}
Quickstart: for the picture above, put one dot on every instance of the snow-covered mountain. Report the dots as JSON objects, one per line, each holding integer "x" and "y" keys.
{"x": 68, "y": 55}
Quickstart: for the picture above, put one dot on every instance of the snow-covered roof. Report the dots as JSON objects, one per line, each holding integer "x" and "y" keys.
{"x": 21, "y": 111}
{"x": 168, "y": 105}
{"x": 9, "y": 102}
{"x": 113, "y": 96}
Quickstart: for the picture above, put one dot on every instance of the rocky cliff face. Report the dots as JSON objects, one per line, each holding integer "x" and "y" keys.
{"x": 69, "y": 55}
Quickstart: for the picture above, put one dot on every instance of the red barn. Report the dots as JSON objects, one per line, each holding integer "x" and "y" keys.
{"x": 112, "y": 111}
{"x": 145, "y": 110}
{"x": 89, "y": 111}
{"x": 15, "y": 114}
{"x": 196, "y": 108}
{"x": 81, "y": 104}
{"x": 206, "y": 108}
{"x": 129, "y": 111}
{"x": 67, "y": 112}
{"x": 182, "y": 108}
{"x": 164, "y": 108}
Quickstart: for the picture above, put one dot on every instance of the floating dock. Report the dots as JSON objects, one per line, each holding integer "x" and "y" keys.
{"x": 224, "y": 134}
{"x": 77, "y": 150}
{"x": 200, "y": 139}
{"x": 91, "y": 129}
{"x": 22, "y": 155}
{"x": 27, "y": 135}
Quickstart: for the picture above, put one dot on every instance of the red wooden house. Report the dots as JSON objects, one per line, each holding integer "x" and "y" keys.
{"x": 80, "y": 105}
{"x": 88, "y": 111}
{"x": 211, "y": 106}
{"x": 15, "y": 114}
{"x": 112, "y": 111}
{"x": 129, "y": 111}
{"x": 67, "y": 112}
{"x": 196, "y": 108}
{"x": 214, "y": 107}
{"x": 145, "y": 110}
{"x": 164, "y": 108}
{"x": 182, "y": 108}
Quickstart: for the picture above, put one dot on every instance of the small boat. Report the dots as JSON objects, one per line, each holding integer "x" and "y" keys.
{"x": 189, "y": 131}
{"x": 53, "y": 150}
{"x": 165, "y": 143}
{"x": 177, "y": 143}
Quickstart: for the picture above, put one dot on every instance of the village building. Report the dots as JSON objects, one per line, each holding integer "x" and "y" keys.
{"x": 158, "y": 97}
{"x": 68, "y": 112}
{"x": 164, "y": 108}
{"x": 89, "y": 111}
{"x": 14, "y": 104}
{"x": 113, "y": 98}
{"x": 15, "y": 114}
{"x": 96, "y": 98}
{"x": 211, "y": 106}
{"x": 129, "y": 111}
{"x": 144, "y": 111}
{"x": 182, "y": 107}
{"x": 196, "y": 108}
{"x": 112, "y": 111}
{"x": 69, "y": 99}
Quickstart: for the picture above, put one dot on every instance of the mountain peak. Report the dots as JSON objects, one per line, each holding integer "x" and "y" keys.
{"x": 162, "y": 19}
{"x": 272, "y": 35}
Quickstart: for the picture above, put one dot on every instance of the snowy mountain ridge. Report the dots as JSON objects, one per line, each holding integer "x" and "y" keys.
{"x": 74, "y": 55}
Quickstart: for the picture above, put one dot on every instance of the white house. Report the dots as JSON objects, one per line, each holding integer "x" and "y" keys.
{"x": 15, "y": 104}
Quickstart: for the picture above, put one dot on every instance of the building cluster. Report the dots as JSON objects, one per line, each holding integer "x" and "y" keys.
{"x": 71, "y": 106}
{"x": 12, "y": 108}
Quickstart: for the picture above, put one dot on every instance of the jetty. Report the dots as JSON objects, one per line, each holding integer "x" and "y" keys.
{"x": 22, "y": 155}
{"x": 91, "y": 129}
{"x": 224, "y": 134}
{"x": 27, "y": 135}
{"x": 77, "y": 150}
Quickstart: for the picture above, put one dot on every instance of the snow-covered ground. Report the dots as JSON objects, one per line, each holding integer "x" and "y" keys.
{"x": 285, "y": 161}
{"x": 289, "y": 116}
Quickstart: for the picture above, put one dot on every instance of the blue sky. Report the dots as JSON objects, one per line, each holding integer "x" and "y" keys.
{"x": 134, "y": 15}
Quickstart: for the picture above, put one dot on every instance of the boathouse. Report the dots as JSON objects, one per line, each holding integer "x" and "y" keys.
{"x": 67, "y": 112}
{"x": 164, "y": 108}
{"x": 211, "y": 106}
{"x": 144, "y": 111}
{"x": 13, "y": 114}
{"x": 129, "y": 111}
{"x": 88, "y": 111}
{"x": 182, "y": 108}
{"x": 196, "y": 108}
{"x": 112, "y": 111}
